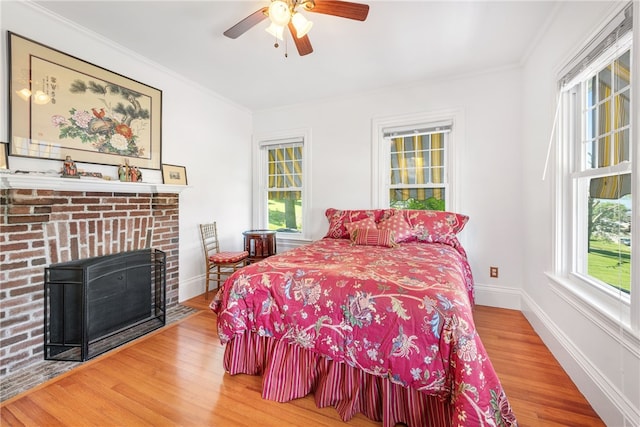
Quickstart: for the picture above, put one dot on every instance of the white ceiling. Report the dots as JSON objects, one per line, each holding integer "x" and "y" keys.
{"x": 400, "y": 42}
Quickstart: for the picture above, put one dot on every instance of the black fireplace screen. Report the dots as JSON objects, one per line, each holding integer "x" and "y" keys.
{"x": 96, "y": 304}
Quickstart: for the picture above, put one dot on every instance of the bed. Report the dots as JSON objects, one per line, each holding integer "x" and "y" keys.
{"x": 375, "y": 318}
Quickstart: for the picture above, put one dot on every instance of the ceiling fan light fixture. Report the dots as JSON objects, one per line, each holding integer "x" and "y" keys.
{"x": 276, "y": 31}
{"x": 301, "y": 24}
{"x": 279, "y": 13}
{"x": 283, "y": 17}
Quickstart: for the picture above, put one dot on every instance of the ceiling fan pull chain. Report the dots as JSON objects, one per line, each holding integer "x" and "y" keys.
{"x": 286, "y": 48}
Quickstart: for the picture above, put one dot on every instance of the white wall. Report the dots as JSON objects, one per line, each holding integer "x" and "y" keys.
{"x": 490, "y": 182}
{"x": 605, "y": 367}
{"x": 200, "y": 130}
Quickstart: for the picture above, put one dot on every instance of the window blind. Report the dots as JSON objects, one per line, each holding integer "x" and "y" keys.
{"x": 432, "y": 128}
{"x": 283, "y": 142}
{"x": 607, "y": 38}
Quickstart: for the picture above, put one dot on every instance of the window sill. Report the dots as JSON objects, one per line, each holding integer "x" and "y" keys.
{"x": 611, "y": 315}
{"x": 286, "y": 242}
{"x": 296, "y": 239}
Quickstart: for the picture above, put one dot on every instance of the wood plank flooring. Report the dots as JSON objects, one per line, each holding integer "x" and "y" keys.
{"x": 174, "y": 376}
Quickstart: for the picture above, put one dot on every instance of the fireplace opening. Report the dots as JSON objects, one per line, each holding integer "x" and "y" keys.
{"x": 96, "y": 304}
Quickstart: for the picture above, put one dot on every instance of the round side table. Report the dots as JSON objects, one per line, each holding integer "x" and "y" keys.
{"x": 260, "y": 244}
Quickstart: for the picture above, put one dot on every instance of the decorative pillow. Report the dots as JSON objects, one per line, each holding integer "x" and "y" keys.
{"x": 372, "y": 237}
{"x": 398, "y": 224}
{"x": 435, "y": 226}
{"x": 336, "y": 223}
{"x": 363, "y": 223}
{"x": 338, "y": 218}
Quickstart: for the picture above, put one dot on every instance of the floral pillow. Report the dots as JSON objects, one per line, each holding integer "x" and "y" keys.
{"x": 435, "y": 226}
{"x": 373, "y": 237}
{"x": 398, "y": 224}
{"x": 338, "y": 218}
{"x": 368, "y": 222}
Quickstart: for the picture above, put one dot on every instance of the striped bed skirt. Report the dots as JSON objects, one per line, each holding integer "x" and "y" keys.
{"x": 291, "y": 372}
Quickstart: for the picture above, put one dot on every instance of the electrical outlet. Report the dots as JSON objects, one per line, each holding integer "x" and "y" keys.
{"x": 493, "y": 271}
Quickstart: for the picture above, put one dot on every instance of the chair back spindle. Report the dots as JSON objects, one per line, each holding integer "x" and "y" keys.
{"x": 219, "y": 264}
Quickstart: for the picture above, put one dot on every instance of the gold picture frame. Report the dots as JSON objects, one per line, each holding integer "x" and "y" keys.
{"x": 173, "y": 174}
{"x": 63, "y": 106}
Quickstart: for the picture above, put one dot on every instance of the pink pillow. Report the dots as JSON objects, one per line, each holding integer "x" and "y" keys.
{"x": 363, "y": 223}
{"x": 435, "y": 226}
{"x": 338, "y": 218}
{"x": 399, "y": 225}
{"x": 372, "y": 237}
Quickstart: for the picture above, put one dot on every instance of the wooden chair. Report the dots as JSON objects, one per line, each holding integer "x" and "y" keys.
{"x": 219, "y": 263}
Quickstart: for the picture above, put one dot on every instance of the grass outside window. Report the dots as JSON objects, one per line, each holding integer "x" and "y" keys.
{"x": 610, "y": 262}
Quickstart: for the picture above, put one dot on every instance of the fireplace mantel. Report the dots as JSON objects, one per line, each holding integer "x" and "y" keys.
{"x": 56, "y": 183}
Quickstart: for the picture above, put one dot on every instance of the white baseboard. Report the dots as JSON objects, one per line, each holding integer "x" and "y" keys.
{"x": 191, "y": 288}
{"x": 613, "y": 407}
{"x": 498, "y": 296}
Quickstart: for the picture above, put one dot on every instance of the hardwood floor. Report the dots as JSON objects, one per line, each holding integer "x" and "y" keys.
{"x": 174, "y": 376}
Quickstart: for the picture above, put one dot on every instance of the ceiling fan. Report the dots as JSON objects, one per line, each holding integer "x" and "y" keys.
{"x": 285, "y": 13}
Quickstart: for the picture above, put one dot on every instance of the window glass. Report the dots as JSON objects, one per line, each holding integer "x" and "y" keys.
{"x": 602, "y": 209}
{"x": 418, "y": 171}
{"x": 284, "y": 187}
{"x": 609, "y": 230}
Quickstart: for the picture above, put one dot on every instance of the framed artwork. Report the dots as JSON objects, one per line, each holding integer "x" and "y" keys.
{"x": 63, "y": 106}
{"x": 172, "y": 174}
{"x": 4, "y": 163}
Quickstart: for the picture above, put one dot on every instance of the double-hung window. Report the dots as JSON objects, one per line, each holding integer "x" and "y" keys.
{"x": 413, "y": 160}
{"x": 281, "y": 203}
{"x": 596, "y": 153}
{"x": 417, "y": 168}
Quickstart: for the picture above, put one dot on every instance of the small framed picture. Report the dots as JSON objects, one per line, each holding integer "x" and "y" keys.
{"x": 172, "y": 174}
{"x": 4, "y": 164}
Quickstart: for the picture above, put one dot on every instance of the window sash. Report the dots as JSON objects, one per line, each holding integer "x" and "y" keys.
{"x": 281, "y": 182}
{"x": 417, "y": 160}
{"x": 417, "y": 168}
{"x": 606, "y": 113}
{"x": 284, "y": 165}
{"x": 598, "y": 133}
{"x": 450, "y": 121}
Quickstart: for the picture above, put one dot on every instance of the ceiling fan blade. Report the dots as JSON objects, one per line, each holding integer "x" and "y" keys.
{"x": 302, "y": 44}
{"x": 247, "y": 23}
{"x": 343, "y": 9}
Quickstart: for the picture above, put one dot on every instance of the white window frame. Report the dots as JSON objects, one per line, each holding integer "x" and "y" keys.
{"x": 613, "y": 308}
{"x": 381, "y": 156}
{"x": 260, "y": 179}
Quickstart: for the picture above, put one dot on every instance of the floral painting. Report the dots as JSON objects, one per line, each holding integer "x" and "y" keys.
{"x": 68, "y": 107}
{"x": 107, "y": 128}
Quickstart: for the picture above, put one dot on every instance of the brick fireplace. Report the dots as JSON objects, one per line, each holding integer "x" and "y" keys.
{"x": 43, "y": 226}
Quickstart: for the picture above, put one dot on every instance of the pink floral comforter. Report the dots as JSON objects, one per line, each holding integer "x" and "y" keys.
{"x": 401, "y": 313}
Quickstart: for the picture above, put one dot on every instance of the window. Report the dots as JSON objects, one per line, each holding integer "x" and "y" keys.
{"x": 413, "y": 167}
{"x": 281, "y": 204}
{"x": 596, "y": 164}
{"x": 418, "y": 168}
